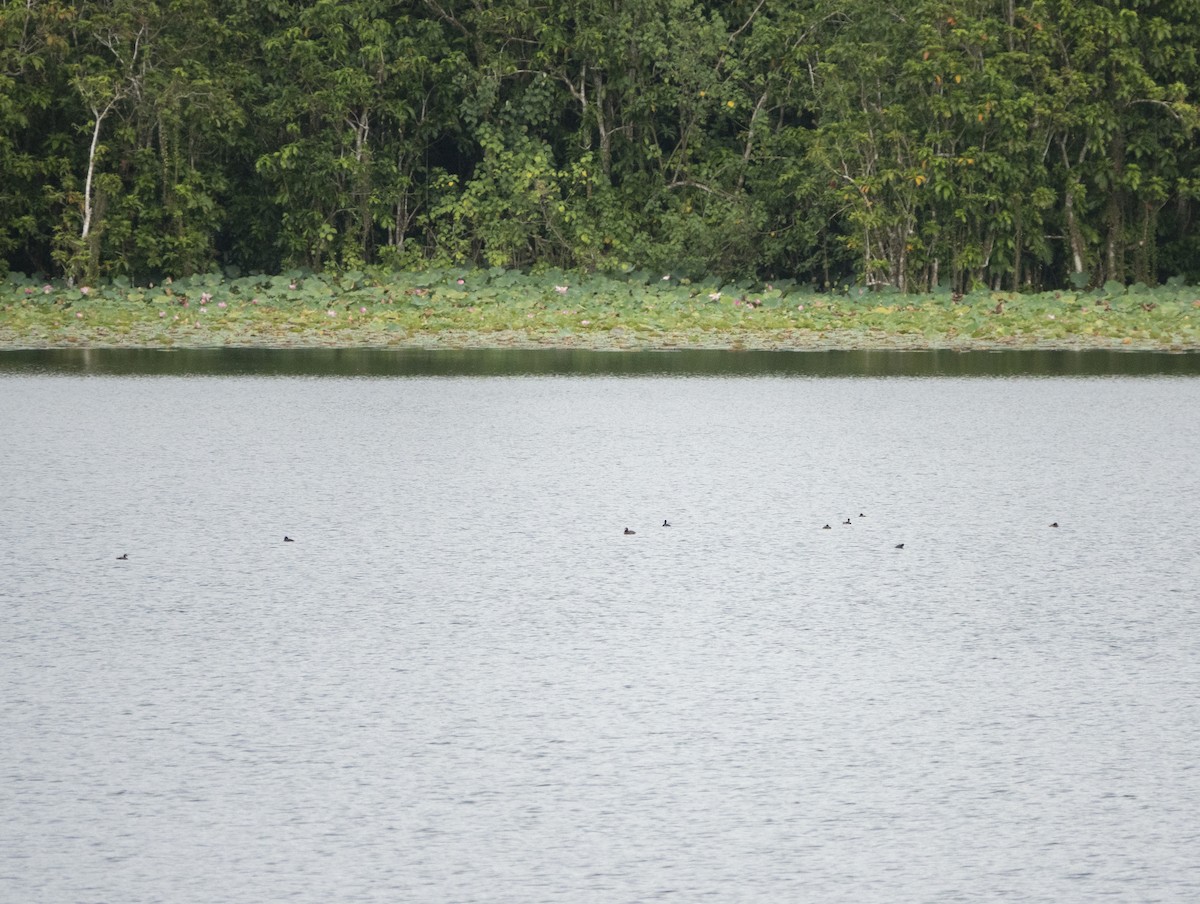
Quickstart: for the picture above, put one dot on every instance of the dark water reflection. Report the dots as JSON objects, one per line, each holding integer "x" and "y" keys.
{"x": 375, "y": 362}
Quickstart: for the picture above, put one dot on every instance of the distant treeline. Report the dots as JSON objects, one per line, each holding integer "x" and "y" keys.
{"x": 910, "y": 144}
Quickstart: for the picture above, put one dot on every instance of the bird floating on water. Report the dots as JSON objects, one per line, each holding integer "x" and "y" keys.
{"x": 847, "y": 521}
{"x": 827, "y": 527}
{"x": 628, "y": 531}
{"x": 666, "y": 523}
{"x": 122, "y": 557}
{"x": 1055, "y": 524}
{"x": 899, "y": 545}
{"x": 287, "y": 539}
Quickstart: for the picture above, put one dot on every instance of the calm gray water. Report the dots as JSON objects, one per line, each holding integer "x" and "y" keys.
{"x": 463, "y": 683}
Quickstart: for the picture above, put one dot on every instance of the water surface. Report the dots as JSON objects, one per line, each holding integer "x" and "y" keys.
{"x": 463, "y": 682}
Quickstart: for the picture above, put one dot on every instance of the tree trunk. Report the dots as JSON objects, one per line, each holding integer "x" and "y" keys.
{"x": 1075, "y": 241}
{"x": 91, "y": 172}
{"x": 1074, "y": 235}
{"x": 1016, "y": 261}
{"x": 89, "y": 239}
{"x": 1115, "y": 245}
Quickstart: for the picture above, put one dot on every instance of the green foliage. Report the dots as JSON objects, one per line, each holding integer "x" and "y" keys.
{"x": 449, "y": 305}
{"x": 970, "y": 145}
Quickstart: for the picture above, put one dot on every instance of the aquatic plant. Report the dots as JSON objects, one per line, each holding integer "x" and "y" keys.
{"x": 503, "y": 307}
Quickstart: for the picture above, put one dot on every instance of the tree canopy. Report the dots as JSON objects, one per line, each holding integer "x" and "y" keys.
{"x": 933, "y": 142}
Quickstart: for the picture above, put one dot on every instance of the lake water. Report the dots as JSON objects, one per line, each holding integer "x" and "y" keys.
{"x": 464, "y": 683}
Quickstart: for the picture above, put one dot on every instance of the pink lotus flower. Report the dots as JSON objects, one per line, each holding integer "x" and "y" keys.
{"x": 84, "y": 290}
{"x": 462, "y": 282}
{"x": 714, "y": 296}
{"x": 205, "y": 297}
{"x": 46, "y": 290}
{"x": 332, "y": 313}
{"x": 220, "y": 304}
{"x": 561, "y": 290}
{"x": 362, "y": 310}
{"x": 584, "y": 322}
{"x": 164, "y": 314}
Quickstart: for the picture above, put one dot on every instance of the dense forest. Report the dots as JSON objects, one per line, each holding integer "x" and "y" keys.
{"x": 914, "y": 145}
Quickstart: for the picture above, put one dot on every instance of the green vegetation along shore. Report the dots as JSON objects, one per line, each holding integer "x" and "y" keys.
{"x": 460, "y": 308}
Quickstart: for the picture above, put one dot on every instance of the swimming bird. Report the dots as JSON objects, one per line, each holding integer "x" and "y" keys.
{"x": 628, "y": 531}
{"x": 1055, "y": 524}
{"x": 123, "y": 557}
{"x": 861, "y": 515}
{"x": 287, "y": 539}
{"x": 666, "y": 523}
{"x": 827, "y": 527}
{"x": 847, "y": 521}
{"x": 899, "y": 545}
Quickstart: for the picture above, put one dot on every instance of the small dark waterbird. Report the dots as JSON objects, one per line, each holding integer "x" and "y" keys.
{"x": 899, "y": 545}
{"x": 628, "y": 531}
{"x": 666, "y": 523}
{"x": 123, "y": 557}
{"x": 1055, "y": 524}
{"x": 287, "y": 539}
